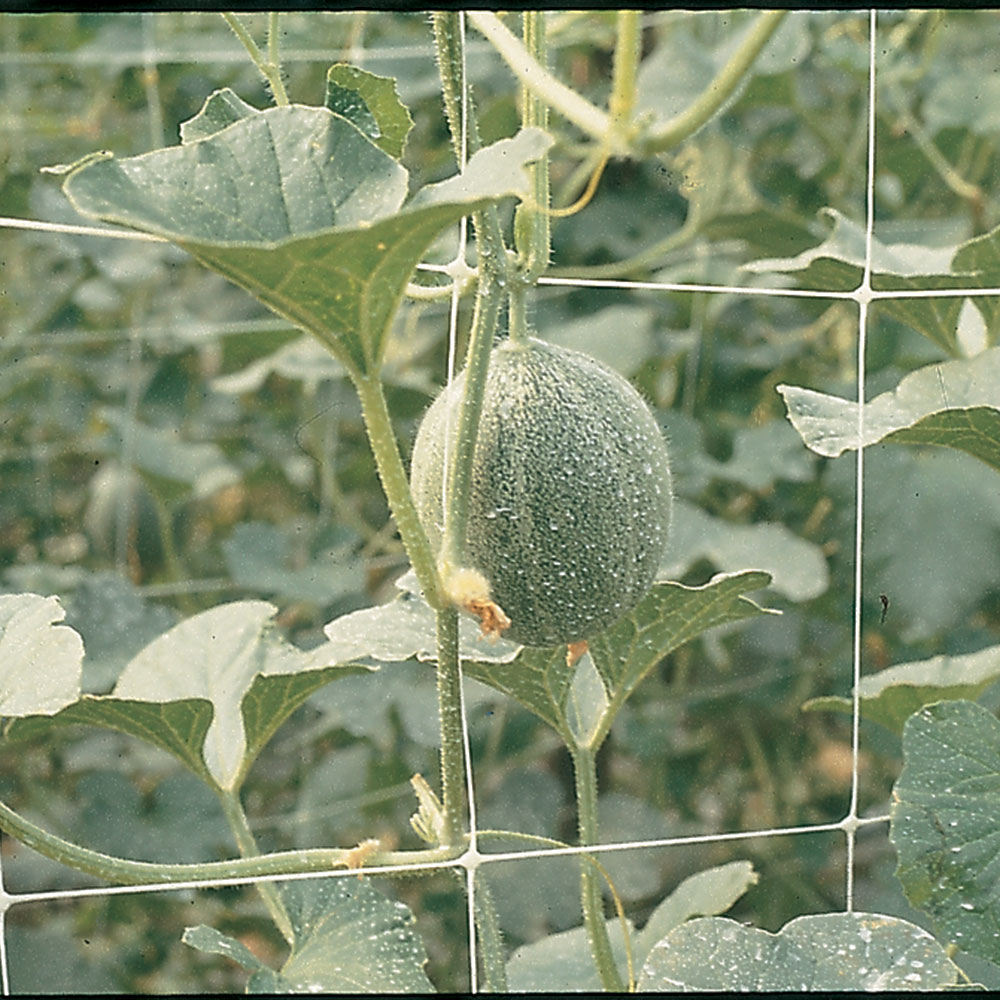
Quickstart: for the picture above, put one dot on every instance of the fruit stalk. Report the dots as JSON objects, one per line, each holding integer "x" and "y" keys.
{"x": 585, "y": 774}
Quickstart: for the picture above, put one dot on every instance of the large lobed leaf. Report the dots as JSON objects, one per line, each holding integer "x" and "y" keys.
{"x": 818, "y": 952}
{"x": 944, "y": 822}
{"x": 301, "y": 208}
{"x": 212, "y": 690}
{"x": 954, "y": 404}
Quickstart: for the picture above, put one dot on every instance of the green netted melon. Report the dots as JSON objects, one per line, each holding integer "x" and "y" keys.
{"x": 570, "y": 497}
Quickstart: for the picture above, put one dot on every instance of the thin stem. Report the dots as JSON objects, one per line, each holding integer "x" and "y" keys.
{"x": 396, "y": 485}
{"x": 720, "y": 89}
{"x": 533, "y": 227}
{"x": 518, "y": 314}
{"x": 269, "y": 67}
{"x": 625, "y": 67}
{"x": 585, "y": 773}
{"x": 449, "y": 680}
{"x": 586, "y": 116}
{"x": 232, "y": 807}
{"x": 124, "y": 871}
{"x": 484, "y": 321}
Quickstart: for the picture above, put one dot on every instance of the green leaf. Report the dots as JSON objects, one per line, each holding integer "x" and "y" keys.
{"x": 953, "y": 404}
{"x": 213, "y": 942}
{"x": 222, "y": 109}
{"x": 944, "y": 822}
{"x": 349, "y": 938}
{"x": 821, "y": 952}
{"x": 891, "y": 696}
{"x": 668, "y": 616}
{"x": 212, "y": 690}
{"x": 40, "y": 661}
{"x": 371, "y": 103}
{"x": 403, "y": 629}
{"x": 562, "y": 963}
{"x": 179, "y": 727}
{"x": 704, "y": 894}
{"x": 300, "y": 208}
{"x": 837, "y": 264}
{"x": 798, "y": 568}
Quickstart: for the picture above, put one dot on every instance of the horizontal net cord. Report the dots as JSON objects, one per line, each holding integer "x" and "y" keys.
{"x": 862, "y": 293}
{"x": 470, "y": 860}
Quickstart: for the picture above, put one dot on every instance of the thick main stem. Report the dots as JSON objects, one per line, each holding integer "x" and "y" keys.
{"x": 585, "y": 773}
{"x": 396, "y": 486}
{"x": 449, "y": 684}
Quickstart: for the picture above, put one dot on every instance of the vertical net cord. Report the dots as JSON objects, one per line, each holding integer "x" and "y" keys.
{"x": 864, "y": 297}
{"x": 459, "y": 265}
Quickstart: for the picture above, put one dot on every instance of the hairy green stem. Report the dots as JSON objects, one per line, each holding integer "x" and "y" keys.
{"x": 269, "y": 66}
{"x": 720, "y": 89}
{"x": 124, "y": 871}
{"x": 232, "y": 807}
{"x": 625, "y": 67}
{"x": 586, "y": 116}
{"x": 396, "y": 485}
{"x": 585, "y": 773}
{"x": 449, "y": 681}
{"x": 518, "y": 314}
{"x": 532, "y": 230}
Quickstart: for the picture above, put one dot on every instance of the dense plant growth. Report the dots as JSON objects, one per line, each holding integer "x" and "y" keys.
{"x": 236, "y": 647}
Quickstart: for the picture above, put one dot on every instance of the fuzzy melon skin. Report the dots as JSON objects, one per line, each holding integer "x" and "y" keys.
{"x": 570, "y": 496}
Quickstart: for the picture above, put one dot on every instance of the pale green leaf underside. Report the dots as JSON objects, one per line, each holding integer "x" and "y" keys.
{"x": 954, "y": 404}
{"x": 837, "y": 264}
{"x": 300, "y": 208}
{"x": 891, "y": 696}
{"x": 349, "y": 938}
{"x": 40, "y": 661}
{"x": 818, "y": 952}
{"x": 944, "y": 822}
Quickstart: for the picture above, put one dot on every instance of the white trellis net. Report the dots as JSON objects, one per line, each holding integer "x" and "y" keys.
{"x": 151, "y": 42}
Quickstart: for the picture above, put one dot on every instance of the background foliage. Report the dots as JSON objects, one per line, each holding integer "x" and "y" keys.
{"x": 169, "y": 445}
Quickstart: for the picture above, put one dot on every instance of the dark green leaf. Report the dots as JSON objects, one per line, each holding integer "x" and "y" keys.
{"x": 371, "y": 103}
{"x": 670, "y": 615}
{"x": 300, "y": 208}
{"x": 944, "y": 822}
{"x": 667, "y": 617}
{"x": 819, "y": 952}
{"x": 179, "y": 727}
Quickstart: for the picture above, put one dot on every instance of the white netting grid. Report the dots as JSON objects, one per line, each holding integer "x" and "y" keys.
{"x": 154, "y": 52}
